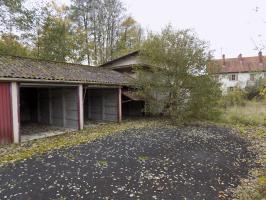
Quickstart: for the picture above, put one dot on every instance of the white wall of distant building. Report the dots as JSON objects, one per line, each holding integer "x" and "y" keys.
{"x": 243, "y": 80}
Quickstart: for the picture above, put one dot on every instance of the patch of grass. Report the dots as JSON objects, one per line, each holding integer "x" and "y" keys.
{"x": 252, "y": 113}
{"x": 143, "y": 158}
{"x": 102, "y": 163}
{"x": 254, "y": 187}
{"x": 12, "y": 153}
{"x": 249, "y": 120}
{"x": 70, "y": 156}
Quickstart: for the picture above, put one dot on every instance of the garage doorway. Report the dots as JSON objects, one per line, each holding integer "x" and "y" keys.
{"x": 101, "y": 105}
{"x": 47, "y": 110}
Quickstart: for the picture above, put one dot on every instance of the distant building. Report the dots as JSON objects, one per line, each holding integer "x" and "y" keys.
{"x": 240, "y": 72}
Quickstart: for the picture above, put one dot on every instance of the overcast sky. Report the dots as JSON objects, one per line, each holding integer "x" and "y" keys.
{"x": 231, "y": 26}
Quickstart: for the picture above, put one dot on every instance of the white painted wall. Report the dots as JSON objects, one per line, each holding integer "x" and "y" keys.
{"x": 130, "y": 60}
{"x": 242, "y": 81}
{"x": 15, "y": 97}
{"x": 81, "y": 107}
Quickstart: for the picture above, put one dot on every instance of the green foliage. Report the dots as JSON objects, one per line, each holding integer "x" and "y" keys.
{"x": 252, "y": 113}
{"x": 258, "y": 90}
{"x": 176, "y": 83}
{"x": 102, "y": 163}
{"x": 143, "y": 158}
{"x": 10, "y": 46}
{"x": 236, "y": 97}
{"x": 8, "y": 12}
{"x": 104, "y": 27}
{"x": 94, "y": 31}
{"x": 56, "y": 40}
{"x": 130, "y": 37}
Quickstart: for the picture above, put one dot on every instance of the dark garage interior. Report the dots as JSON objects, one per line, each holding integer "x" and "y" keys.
{"x": 44, "y": 109}
{"x": 100, "y": 105}
{"x": 132, "y": 105}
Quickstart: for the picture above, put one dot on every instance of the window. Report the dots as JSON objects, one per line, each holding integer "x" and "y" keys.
{"x": 230, "y": 89}
{"x": 252, "y": 77}
{"x": 233, "y": 77}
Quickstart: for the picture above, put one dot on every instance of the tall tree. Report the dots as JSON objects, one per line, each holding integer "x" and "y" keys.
{"x": 81, "y": 14}
{"x": 9, "y": 45}
{"x": 10, "y": 11}
{"x": 130, "y": 36}
{"x": 100, "y": 20}
{"x": 31, "y": 25}
{"x": 56, "y": 40}
{"x": 176, "y": 83}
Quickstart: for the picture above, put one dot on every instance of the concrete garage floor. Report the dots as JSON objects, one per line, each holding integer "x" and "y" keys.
{"x": 33, "y": 131}
{"x": 193, "y": 163}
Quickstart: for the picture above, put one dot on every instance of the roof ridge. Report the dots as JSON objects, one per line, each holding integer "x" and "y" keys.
{"x": 236, "y": 58}
{"x": 46, "y": 60}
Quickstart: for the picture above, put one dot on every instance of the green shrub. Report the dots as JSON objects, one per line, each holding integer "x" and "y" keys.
{"x": 257, "y": 91}
{"x": 234, "y": 98}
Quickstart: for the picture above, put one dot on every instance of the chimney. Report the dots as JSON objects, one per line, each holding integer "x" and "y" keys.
{"x": 240, "y": 58}
{"x": 223, "y": 59}
{"x": 260, "y": 57}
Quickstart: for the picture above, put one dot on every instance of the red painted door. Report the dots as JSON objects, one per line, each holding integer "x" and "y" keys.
{"x": 6, "y": 128}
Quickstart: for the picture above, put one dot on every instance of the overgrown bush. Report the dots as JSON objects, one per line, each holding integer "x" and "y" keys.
{"x": 176, "y": 83}
{"x": 258, "y": 90}
{"x": 236, "y": 97}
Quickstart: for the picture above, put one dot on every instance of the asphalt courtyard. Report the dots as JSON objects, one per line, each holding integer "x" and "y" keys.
{"x": 191, "y": 162}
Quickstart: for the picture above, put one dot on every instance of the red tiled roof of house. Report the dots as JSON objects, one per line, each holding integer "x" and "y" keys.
{"x": 242, "y": 64}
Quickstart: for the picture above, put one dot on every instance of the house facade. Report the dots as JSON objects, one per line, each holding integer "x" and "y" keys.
{"x": 55, "y": 94}
{"x": 240, "y": 72}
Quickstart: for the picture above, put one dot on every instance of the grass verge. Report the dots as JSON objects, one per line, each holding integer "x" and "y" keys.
{"x": 252, "y": 113}
{"x": 16, "y": 152}
{"x": 253, "y": 187}
{"x": 249, "y": 121}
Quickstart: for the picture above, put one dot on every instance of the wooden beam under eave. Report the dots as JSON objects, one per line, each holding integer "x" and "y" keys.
{"x": 119, "y": 105}
{"x": 80, "y": 107}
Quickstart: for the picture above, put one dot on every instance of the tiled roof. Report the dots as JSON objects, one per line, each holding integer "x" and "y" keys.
{"x": 241, "y": 64}
{"x": 41, "y": 70}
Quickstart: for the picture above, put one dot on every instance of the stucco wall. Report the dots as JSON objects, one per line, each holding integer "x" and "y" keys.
{"x": 241, "y": 82}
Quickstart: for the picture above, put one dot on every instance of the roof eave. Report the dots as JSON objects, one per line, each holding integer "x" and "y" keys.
{"x": 8, "y": 79}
